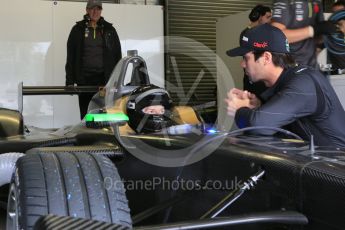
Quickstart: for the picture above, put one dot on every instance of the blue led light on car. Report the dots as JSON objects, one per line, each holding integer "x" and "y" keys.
{"x": 211, "y": 131}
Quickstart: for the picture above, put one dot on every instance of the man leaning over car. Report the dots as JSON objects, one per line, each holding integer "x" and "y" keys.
{"x": 298, "y": 96}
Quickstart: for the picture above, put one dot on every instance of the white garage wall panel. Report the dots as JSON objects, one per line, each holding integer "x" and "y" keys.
{"x": 33, "y": 50}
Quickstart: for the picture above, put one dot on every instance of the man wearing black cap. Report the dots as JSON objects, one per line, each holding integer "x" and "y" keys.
{"x": 93, "y": 50}
{"x": 298, "y": 98}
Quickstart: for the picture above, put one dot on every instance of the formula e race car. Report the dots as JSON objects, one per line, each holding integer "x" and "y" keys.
{"x": 121, "y": 168}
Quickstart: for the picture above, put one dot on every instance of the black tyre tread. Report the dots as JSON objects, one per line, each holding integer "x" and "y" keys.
{"x": 116, "y": 195}
{"x": 94, "y": 187}
{"x": 31, "y": 212}
{"x": 75, "y": 197}
{"x": 56, "y": 186}
{"x": 52, "y": 222}
{"x": 70, "y": 184}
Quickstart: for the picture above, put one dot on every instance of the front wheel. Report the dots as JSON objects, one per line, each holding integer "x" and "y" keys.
{"x": 66, "y": 184}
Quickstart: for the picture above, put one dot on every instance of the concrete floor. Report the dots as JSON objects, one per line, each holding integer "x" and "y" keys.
{"x": 2, "y": 219}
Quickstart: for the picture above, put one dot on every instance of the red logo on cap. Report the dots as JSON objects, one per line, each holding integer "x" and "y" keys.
{"x": 260, "y": 45}
{"x": 316, "y": 8}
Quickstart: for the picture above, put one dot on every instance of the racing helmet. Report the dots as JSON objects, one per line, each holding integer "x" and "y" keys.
{"x": 144, "y": 97}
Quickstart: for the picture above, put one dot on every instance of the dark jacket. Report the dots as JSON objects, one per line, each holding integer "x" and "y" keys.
{"x": 111, "y": 51}
{"x": 303, "y": 99}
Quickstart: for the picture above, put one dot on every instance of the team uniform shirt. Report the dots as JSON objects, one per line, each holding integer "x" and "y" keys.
{"x": 299, "y": 14}
{"x": 303, "y": 101}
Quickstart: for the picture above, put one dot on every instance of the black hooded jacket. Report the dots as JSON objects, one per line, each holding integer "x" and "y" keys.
{"x": 111, "y": 50}
{"x": 303, "y": 101}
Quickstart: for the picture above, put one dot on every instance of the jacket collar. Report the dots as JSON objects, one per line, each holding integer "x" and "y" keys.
{"x": 267, "y": 94}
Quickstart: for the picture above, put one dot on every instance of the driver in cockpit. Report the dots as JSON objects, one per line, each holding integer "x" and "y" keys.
{"x": 149, "y": 109}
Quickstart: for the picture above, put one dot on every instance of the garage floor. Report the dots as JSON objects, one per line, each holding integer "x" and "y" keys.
{"x": 3, "y": 200}
{"x": 2, "y": 219}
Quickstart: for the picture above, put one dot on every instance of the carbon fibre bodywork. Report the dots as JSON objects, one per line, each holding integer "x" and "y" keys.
{"x": 295, "y": 179}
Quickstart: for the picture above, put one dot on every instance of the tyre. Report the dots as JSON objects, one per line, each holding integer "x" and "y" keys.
{"x": 66, "y": 184}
